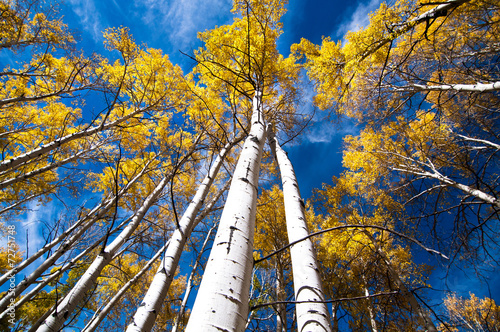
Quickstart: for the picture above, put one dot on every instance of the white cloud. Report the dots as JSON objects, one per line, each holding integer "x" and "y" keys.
{"x": 358, "y": 19}
{"x": 180, "y": 20}
{"x": 90, "y": 19}
{"x": 321, "y": 130}
{"x": 29, "y": 236}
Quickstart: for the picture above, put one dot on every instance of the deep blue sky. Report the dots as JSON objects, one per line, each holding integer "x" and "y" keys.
{"x": 172, "y": 25}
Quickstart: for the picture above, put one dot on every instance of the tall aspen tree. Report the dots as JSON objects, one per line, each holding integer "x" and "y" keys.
{"x": 307, "y": 282}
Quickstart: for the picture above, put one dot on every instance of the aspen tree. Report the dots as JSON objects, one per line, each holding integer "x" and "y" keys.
{"x": 307, "y": 283}
{"x": 145, "y": 316}
{"x": 72, "y": 299}
{"x": 270, "y": 235}
{"x": 222, "y": 300}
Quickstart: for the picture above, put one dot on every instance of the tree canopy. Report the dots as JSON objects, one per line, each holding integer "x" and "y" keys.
{"x": 170, "y": 183}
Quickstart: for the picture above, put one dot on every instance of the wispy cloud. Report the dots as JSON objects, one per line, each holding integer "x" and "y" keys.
{"x": 90, "y": 19}
{"x": 179, "y": 21}
{"x": 30, "y": 236}
{"x": 325, "y": 131}
{"x": 321, "y": 130}
{"x": 358, "y": 19}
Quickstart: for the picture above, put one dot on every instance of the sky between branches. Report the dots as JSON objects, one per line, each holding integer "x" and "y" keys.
{"x": 172, "y": 26}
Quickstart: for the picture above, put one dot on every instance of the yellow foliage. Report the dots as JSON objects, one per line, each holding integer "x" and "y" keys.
{"x": 473, "y": 313}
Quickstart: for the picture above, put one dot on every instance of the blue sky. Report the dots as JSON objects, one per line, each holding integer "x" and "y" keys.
{"x": 172, "y": 25}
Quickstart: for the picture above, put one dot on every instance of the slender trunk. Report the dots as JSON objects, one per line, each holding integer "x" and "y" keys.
{"x": 46, "y": 280}
{"x": 17, "y": 161}
{"x": 145, "y": 316}
{"x": 85, "y": 283}
{"x": 373, "y": 322}
{"x": 102, "y": 313}
{"x": 478, "y": 87}
{"x": 399, "y": 29}
{"x": 434, "y": 174}
{"x": 222, "y": 300}
{"x": 189, "y": 286}
{"x": 281, "y": 324}
{"x": 422, "y": 315}
{"x": 49, "y": 167}
{"x": 81, "y": 226}
{"x": 306, "y": 278}
{"x": 335, "y": 308}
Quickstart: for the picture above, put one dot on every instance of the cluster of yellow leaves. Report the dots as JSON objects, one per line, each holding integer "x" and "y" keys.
{"x": 20, "y": 26}
{"x": 472, "y": 314}
{"x": 270, "y": 231}
{"x": 115, "y": 275}
{"x": 413, "y": 147}
{"x": 239, "y": 57}
{"x": 337, "y": 69}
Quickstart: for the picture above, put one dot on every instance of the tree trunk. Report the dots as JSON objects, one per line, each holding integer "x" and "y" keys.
{"x": 81, "y": 226}
{"x": 101, "y": 313}
{"x": 54, "y": 322}
{"x": 145, "y": 316}
{"x": 190, "y": 285}
{"x": 306, "y": 279}
{"x": 281, "y": 323}
{"x": 222, "y": 300}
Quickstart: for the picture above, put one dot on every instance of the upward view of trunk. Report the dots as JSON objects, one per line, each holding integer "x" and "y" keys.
{"x": 54, "y": 322}
{"x": 78, "y": 228}
{"x": 222, "y": 300}
{"x": 281, "y": 323}
{"x": 307, "y": 283}
{"x": 145, "y": 316}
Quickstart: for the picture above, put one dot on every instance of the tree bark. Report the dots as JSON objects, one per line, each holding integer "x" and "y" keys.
{"x": 306, "y": 278}
{"x": 145, "y": 316}
{"x": 222, "y": 300}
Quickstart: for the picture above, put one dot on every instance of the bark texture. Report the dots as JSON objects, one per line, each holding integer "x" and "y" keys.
{"x": 307, "y": 284}
{"x": 222, "y": 300}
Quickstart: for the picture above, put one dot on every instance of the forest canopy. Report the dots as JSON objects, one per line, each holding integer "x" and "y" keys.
{"x": 174, "y": 199}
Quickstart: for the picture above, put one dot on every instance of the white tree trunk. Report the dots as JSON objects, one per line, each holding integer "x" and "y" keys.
{"x": 145, "y": 316}
{"x": 478, "y": 87}
{"x": 80, "y": 227}
{"x": 222, "y": 300}
{"x": 306, "y": 279}
{"x": 17, "y": 161}
{"x": 54, "y": 322}
{"x": 190, "y": 285}
{"x": 373, "y": 322}
{"x": 102, "y": 313}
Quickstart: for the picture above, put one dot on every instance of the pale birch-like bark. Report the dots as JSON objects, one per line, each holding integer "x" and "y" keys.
{"x": 435, "y": 174}
{"x": 281, "y": 323}
{"x": 190, "y": 285}
{"x": 100, "y": 314}
{"x": 422, "y": 315}
{"x": 54, "y": 322}
{"x": 222, "y": 300}
{"x": 15, "y": 162}
{"x": 306, "y": 278}
{"x": 80, "y": 227}
{"x": 373, "y": 322}
{"x": 51, "y": 166}
{"x": 478, "y": 87}
{"x": 145, "y": 316}
{"x": 401, "y": 28}
{"x": 46, "y": 280}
